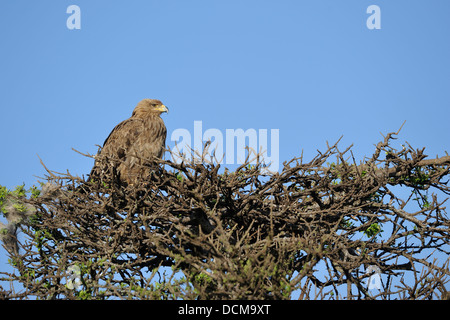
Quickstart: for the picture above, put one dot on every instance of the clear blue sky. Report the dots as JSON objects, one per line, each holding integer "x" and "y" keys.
{"x": 311, "y": 69}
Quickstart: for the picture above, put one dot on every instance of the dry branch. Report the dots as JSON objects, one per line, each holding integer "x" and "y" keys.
{"x": 242, "y": 234}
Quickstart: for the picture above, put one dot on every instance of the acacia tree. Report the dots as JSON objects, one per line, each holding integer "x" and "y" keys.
{"x": 315, "y": 230}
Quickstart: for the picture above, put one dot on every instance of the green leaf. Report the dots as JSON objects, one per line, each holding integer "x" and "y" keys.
{"x": 373, "y": 230}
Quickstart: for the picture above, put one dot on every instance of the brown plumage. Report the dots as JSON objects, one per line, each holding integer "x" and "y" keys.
{"x": 133, "y": 143}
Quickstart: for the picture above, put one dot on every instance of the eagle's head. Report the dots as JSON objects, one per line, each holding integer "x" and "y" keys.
{"x": 149, "y": 106}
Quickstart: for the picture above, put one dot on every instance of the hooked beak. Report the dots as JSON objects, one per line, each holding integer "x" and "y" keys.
{"x": 163, "y": 108}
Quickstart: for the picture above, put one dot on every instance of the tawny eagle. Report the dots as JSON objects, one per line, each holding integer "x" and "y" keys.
{"x": 133, "y": 144}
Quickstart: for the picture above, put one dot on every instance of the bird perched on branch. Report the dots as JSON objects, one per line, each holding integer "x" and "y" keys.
{"x": 133, "y": 144}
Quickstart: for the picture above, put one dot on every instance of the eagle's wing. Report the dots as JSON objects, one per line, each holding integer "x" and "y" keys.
{"x": 130, "y": 144}
{"x": 121, "y": 139}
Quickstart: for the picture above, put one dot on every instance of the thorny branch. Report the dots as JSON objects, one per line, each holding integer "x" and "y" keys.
{"x": 240, "y": 235}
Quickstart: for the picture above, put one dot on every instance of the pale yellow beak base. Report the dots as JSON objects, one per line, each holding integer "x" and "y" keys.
{"x": 163, "y": 108}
